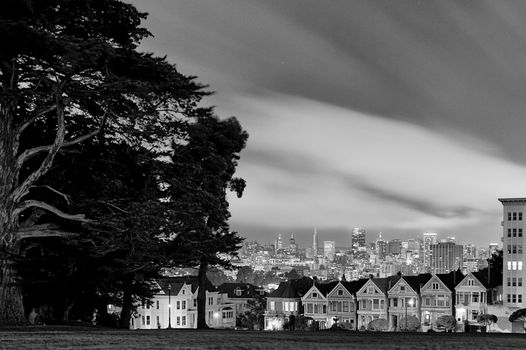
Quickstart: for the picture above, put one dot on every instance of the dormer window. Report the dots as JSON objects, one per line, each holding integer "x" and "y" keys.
{"x": 340, "y": 292}
{"x": 314, "y": 294}
{"x": 370, "y": 290}
{"x": 238, "y": 292}
{"x": 182, "y": 291}
{"x": 434, "y": 286}
{"x": 471, "y": 282}
{"x": 402, "y": 288}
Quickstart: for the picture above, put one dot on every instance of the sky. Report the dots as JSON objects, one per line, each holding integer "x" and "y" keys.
{"x": 399, "y": 116}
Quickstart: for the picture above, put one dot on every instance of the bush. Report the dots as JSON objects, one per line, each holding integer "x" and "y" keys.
{"x": 412, "y": 325}
{"x": 447, "y": 322}
{"x": 378, "y": 325}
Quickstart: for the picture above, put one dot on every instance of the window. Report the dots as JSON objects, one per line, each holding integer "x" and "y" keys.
{"x": 509, "y": 298}
{"x": 147, "y": 320}
{"x": 509, "y": 216}
{"x": 514, "y": 282}
{"x": 520, "y": 215}
{"x": 519, "y": 282}
{"x": 178, "y": 305}
{"x": 158, "y": 321}
{"x": 520, "y": 266}
{"x": 272, "y": 305}
{"x": 340, "y": 292}
{"x": 314, "y": 294}
{"x": 157, "y": 304}
{"x": 474, "y": 314}
{"x": 286, "y": 306}
{"x": 514, "y": 298}
{"x": 395, "y": 302}
{"x": 514, "y": 249}
{"x": 402, "y": 288}
{"x": 370, "y": 290}
{"x": 345, "y": 306}
{"x": 441, "y": 300}
{"x": 184, "y": 305}
{"x": 182, "y": 292}
{"x": 520, "y": 232}
{"x": 324, "y": 309}
{"x": 210, "y": 301}
{"x": 309, "y": 308}
{"x": 434, "y": 286}
{"x": 475, "y": 297}
{"x": 363, "y": 304}
{"x": 509, "y": 232}
{"x": 514, "y": 232}
{"x": 509, "y": 282}
{"x": 178, "y": 320}
{"x": 471, "y": 282}
{"x": 519, "y": 249}
{"x": 195, "y": 302}
{"x": 514, "y": 216}
{"x": 509, "y": 265}
{"x": 427, "y": 301}
{"x": 509, "y": 248}
{"x": 228, "y": 314}
{"x": 143, "y": 322}
{"x": 218, "y": 300}
{"x": 183, "y": 321}
{"x": 519, "y": 298}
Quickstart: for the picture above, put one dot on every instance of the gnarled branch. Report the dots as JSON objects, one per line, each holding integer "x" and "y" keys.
{"x": 41, "y": 231}
{"x": 39, "y": 204}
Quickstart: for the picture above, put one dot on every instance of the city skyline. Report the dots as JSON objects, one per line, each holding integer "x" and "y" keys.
{"x": 401, "y": 117}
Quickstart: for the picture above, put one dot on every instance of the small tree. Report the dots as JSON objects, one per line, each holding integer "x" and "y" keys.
{"x": 487, "y": 319}
{"x": 411, "y": 324}
{"x": 378, "y": 325}
{"x": 447, "y": 322}
{"x": 519, "y": 315}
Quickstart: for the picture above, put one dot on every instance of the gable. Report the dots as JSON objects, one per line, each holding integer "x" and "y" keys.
{"x": 470, "y": 282}
{"x": 313, "y": 294}
{"x": 401, "y": 287}
{"x": 339, "y": 292}
{"x": 435, "y": 284}
{"x": 369, "y": 288}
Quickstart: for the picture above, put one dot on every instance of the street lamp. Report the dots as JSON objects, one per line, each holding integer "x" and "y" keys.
{"x": 169, "y": 307}
{"x": 410, "y": 304}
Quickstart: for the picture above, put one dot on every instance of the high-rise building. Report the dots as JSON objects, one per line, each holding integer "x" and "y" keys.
{"x": 279, "y": 243}
{"x": 446, "y": 257}
{"x": 470, "y": 251}
{"x": 381, "y": 247}
{"x": 514, "y": 263}
{"x": 429, "y": 239}
{"x": 315, "y": 242}
{"x": 358, "y": 239}
{"x": 394, "y": 247}
{"x": 329, "y": 250}
{"x": 492, "y": 248}
{"x": 293, "y": 247}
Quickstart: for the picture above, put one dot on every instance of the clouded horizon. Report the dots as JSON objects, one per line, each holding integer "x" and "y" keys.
{"x": 398, "y": 116}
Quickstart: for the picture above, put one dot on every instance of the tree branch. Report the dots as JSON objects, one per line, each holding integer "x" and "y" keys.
{"x": 34, "y": 203}
{"x": 40, "y": 231}
{"x": 66, "y": 197}
{"x": 22, "y": 190}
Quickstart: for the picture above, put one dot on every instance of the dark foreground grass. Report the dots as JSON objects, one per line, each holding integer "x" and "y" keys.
{"x": 97, "y": 338}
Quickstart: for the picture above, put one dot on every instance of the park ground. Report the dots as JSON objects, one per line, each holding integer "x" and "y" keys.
{"x": 53, "y": 337}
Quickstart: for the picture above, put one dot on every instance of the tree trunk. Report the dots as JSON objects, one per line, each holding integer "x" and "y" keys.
{"x": 11, "y": 305}
{"x": 127, "y": 305}
{"x": 68, "y": 305}
{"x": 201, "y": 297}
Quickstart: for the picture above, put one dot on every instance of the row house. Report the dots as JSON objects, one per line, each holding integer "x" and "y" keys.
{"x": 473, "y": 295}
{"x": 175, "y": 306}
{"x": 241, "y": 295}
{"x": 438, "y": 297}
{"x": 372, "y": 300}
{"x": 404, "y": 299}
{"x": 284, "y": 303}
{"x": 333, "y": 302}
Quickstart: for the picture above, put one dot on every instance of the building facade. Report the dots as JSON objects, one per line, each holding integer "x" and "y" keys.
{"x": 446, "y": 256}
{"x": 514, "y": 269}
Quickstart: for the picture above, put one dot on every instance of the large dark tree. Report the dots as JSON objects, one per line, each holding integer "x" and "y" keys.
{"x": 203, "y": 172}
{"x": 71, "y": 68}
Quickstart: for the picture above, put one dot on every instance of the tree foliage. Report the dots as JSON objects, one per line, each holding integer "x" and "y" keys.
{"x": 487, "y": 319}
{"x": 519, "y": 315}
{"x": 378, "y": 325}
{"x": 448, "y": 322}
{"x": 410, "y": 324}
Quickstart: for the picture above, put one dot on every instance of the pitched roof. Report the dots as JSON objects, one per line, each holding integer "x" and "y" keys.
{"x": 451, "y": 279}
{"x": 354, "y": 286}
{"x": 247, "y": 290}
{"x": 176, "y": 283}
{"x": 416, "y": 282}
{"x": 386, "y": 283}
{"x": 326, "y": 288}
{"x": 292, "y": 289}
{"x": 482, "y": 277}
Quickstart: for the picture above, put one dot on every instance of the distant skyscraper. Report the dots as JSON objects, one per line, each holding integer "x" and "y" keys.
{"x": 293, "y": 247}
{"x": 394, "y": 246}
{"x": 492, "y": 248}
{"x": 329, "y": 250}
{"x": 381, "y": 247}
{"x": 358, "y": 239}
{"x": 429, "y": 239}
{"x": 514, "y": 259}
{"x": 315, "y": 242}
{"x": 279, "y": 243}
{"x": 470, "y": 251}
{"x": 446, "y": 257}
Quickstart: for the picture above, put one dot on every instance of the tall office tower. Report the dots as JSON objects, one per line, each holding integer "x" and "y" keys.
{"x": 358, "y": 239}
{"x": 394, "y": 247}
{"x": 470, "y": 251}
{"x": 381, "y": 247}
{"x": 429, "y": 239}
{"x": 446, "y": 257}
{"x": 329, "y": 250}
{"x": 279, "y": 243}
{"x": 315, "y": 242}
{"x": 451, "y": 239}
{"x": 293, "y": 247}
{"x": 412, "y": 245}
{"x": 492, "y": 248}
{"x": 514, "y": 267}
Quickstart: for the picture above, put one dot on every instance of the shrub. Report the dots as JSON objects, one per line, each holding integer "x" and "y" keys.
{"x": 379, "y": 325}
{"x": 412, "y": 325}
{"x": 447, "y": 322}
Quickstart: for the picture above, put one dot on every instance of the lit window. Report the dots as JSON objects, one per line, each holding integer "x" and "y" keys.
{"x": 272, "y": 305}
{"x": 520, "y": 266}
{"x": 178, "y": 305}
{"x": 514, "y": 265}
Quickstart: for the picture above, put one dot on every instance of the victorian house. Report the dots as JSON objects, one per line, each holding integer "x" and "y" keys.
{"x": 315, "y": 303}
{"x": 175, "y": 306}
{"x": 342, "y": 307}
{"x": 404, "y": 300}
{"x": 438, "y": 297}
{"x": 471, "y": 297}
{"x": 372, "y": 300}
{"x": 241, "y": 295}
{"x": 285, "y": 302}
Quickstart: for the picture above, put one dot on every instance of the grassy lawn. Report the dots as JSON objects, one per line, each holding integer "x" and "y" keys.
{"x": 98, "y": 338}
